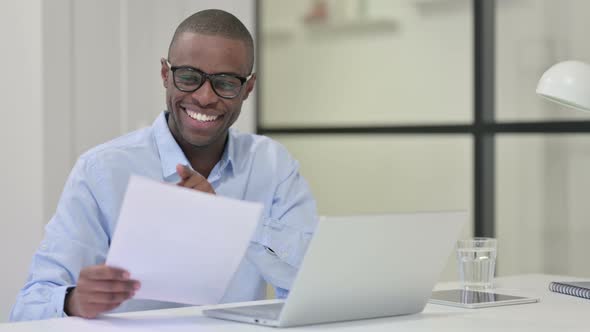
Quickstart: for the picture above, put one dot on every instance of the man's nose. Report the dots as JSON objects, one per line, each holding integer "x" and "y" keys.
{"x": 205, "y": 95}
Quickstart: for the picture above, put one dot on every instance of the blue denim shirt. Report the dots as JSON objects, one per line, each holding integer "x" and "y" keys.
{"x": 252, "y": 168}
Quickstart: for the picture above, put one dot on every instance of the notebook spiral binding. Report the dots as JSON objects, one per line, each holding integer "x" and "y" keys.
{"x": 569, "y": 290}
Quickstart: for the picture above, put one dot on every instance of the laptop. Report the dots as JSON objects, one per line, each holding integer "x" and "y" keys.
{"x": 359, "y": 267}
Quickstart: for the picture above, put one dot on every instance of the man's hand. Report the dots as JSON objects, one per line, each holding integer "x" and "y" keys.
{"x": 100, "y": 288}
{"x": 192, "y": 179}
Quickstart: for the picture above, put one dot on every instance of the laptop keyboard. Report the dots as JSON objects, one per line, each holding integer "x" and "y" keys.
{"x": 264, "y": 311}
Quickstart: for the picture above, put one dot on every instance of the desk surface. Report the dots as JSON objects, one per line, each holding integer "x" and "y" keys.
{"x": 555, "y": 312}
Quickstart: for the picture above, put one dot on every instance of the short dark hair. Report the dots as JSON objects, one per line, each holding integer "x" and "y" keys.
{"x": 218, "y": 23}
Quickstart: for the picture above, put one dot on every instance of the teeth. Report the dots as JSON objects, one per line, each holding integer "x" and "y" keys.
{"x": 200, "y": 116}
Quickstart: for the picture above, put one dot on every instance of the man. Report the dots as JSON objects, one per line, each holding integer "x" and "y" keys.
{"x": 207, "y": 76}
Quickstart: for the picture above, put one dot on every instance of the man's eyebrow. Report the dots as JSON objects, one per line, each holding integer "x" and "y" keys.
{"x": 216, "y": 73}
{"x": 199, "y": 69}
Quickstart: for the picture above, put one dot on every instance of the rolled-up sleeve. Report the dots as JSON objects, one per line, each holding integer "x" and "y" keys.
{"x": 285, "y": 234}
{"x": 74, "y": 238}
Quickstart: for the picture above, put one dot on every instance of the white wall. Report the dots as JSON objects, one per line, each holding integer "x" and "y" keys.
{"x": 103, "y": 79}
{"x": 21, "y": 143}
{"x": 76, "y": 73}
{"x": 398, "y": 62}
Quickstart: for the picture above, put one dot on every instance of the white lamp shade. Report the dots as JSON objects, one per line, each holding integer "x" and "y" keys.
{"x": 567, "y": 83}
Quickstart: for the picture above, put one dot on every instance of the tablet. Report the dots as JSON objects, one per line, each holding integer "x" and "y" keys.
{"x": 475, "y": 299}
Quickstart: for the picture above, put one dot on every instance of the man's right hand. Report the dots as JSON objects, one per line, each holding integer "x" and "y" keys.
{"x": 100, "y": 288}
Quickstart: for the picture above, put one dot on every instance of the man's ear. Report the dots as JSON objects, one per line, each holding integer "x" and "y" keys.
{"x": 249, "y": 86}
{"x": 164, "y": 70}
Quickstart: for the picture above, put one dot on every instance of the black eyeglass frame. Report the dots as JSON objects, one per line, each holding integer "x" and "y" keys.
{"x": 209, "y": 77}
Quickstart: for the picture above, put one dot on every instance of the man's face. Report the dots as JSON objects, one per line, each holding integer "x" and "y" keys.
{"x": 202, "y": 118}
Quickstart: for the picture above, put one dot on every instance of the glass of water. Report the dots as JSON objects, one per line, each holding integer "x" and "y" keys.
{"x": 477, "y": 262}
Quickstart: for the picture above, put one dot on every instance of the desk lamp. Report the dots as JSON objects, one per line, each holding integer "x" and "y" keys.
{"x": 567, "y": 83}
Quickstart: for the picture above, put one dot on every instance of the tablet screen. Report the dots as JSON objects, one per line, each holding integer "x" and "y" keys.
{"x": 472, "y": 299}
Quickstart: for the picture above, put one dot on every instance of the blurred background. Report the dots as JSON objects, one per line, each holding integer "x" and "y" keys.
{"x": 389, "y": 106}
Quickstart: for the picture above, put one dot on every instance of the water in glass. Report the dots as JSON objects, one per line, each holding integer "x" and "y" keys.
{"x": 476, "y": 267}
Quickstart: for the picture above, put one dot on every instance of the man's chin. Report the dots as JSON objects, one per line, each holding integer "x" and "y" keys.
{"x": 198, "y": 144}
{"x": 199, "y": 141}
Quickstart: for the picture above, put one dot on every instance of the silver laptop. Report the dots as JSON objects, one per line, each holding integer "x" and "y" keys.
{"x": 361, "y": 267}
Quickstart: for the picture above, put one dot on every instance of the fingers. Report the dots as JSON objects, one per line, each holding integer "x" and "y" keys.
{"x": 192, "y": 179}
{"x": 109, "y": 286}
{"x": 198, "y": 183}
{"x": 195, "y": 181}
{"x": 107, "y": 298}
{"x": 100, "y": 288}
{"x": 184, "y": 171}
{"x": 102, "y": 278}
{"x": 103, "y": 272}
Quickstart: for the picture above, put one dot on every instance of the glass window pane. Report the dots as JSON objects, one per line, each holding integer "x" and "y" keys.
{"x": 356, "y": 174}
{"x": 542, "y": 212}
{"x": 372, "y": 62}
{"x": 554, "y": 31}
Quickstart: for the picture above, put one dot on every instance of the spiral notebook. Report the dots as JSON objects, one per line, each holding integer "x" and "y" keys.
{"x": 573, "y": 288}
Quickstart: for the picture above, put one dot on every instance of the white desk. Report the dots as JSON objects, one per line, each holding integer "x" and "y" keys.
{"x": 555, "y": 312}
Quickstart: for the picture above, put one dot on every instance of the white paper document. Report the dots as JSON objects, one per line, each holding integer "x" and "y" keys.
{"x": 181, "y": 244}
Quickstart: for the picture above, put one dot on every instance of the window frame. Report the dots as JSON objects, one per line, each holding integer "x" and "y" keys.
{"x": 483, "y": 129}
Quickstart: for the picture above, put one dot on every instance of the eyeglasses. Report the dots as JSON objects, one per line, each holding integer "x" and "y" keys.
{"x": 189, "y": 79}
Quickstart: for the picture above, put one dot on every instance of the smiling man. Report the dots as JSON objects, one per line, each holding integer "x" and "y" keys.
{"x": 207, "y": 76}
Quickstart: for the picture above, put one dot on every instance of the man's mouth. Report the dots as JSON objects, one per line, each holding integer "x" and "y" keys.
{"x": 200, "y": 116}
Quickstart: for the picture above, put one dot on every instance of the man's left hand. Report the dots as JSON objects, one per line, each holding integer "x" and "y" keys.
{"x": 192, "y": 179}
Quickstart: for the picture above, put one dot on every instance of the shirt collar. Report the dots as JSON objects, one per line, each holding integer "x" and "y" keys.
{"x": 228, "y": 157}
{"x": 171, "y": 154}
